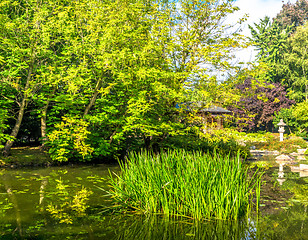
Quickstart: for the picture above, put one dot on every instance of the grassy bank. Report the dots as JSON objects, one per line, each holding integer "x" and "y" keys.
{"x": 25, "y": 156}
{"x": 197, "y": 185}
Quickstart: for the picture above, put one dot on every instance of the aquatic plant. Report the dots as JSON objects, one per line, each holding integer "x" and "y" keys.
{"x": 180, "y": 183}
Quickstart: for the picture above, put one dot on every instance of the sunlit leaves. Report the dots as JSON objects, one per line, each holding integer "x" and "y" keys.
{"x": 68, "y": 139}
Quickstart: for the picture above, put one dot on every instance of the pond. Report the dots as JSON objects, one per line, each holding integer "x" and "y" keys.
{"x": 72, "y": 203}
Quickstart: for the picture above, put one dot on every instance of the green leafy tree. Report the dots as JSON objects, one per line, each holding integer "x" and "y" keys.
{"x": 138, "y": 67}
{"x": 296, "y": 59}
{"x": 271, "y": 42}
{"x": 293, "y": 14}
{"x": 116, "y": 67}
{"x": 25, "y": 49}
{"x": 282, "y": 44}
{"x": 269, "y": 39}
{"x": 301, "y": 114}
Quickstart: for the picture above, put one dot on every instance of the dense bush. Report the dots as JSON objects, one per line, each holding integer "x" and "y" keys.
{"x": 68, "y": 140}
{"x": 296, "y": 119}
{"x": 206, "y": 143}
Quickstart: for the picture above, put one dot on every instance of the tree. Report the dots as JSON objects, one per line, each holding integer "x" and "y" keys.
{"x": 282, "y": 44}
{"x": 292, "y": 14}
{"x": 256, "y": 112}
{"x": 144, "y": 64}
{"x": 296, "y": 59}
{"x": 270, "y": 40}
{"x": 22, "y": 51}
{"x": 114, "y": 68}
{"x": 300, "y": 112}
{"x": 295, "y": 117}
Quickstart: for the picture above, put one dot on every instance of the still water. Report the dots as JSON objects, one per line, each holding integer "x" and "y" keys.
{"x": 73, "y": 203}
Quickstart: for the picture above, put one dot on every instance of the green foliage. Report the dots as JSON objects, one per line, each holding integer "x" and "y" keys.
{"x": 288, "y": 145}
{"x": 269, "y": 39}
{"x": 286, "y": 114}
{"x": 69, "y": 140}
{"x": 224, "y": 141}
{"x": 296, "y": 119}
{"x": 3, "y": 126}
{"x": 121, "y": 66}
{"x": 285, "y": 53}
{"x": 300, "y": 113}
{"x": 192, "y": 184}
{"x": 296, "y": 59}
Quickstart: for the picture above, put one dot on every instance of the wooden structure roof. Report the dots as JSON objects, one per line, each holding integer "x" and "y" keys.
{"x": 200, "y": 107}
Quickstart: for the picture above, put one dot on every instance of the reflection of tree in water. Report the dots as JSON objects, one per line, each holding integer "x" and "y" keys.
{"x": 275, "y": 222}
{"x": 11, "y": 202}
{"x": 295, "y": 184}
{"x": 291, "y": 223}
{"x": 35, "y": 192}
{"x": 158, "y": 228}
{"x": 284, "y": 205}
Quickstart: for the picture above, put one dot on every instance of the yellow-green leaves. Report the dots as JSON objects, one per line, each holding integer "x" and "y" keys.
{"x": 68, "y": 140}
{"x": 122, "y": 65}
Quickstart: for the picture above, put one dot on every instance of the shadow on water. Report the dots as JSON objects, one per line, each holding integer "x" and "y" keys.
{"x": 69, "y": 203}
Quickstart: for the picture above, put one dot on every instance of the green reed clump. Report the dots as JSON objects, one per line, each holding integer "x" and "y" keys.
{"x": 193, "y": 184}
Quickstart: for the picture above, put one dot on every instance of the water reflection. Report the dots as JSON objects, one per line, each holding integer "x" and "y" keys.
{"x": 281, "y": 178}
{"x": 26, "y": 196}
{"x": 302, "y": 169}
{"x": 157, "y": 228}
{"x": 36, "y": 200}
{"x": 296, "y": 163}
{"x": 282, "y": 160}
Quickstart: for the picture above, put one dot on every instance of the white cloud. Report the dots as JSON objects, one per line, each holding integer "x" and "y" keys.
{"x": 256, "y": 9}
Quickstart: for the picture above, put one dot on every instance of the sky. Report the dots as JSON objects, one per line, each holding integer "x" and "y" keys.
{"x": 256, "y": 9}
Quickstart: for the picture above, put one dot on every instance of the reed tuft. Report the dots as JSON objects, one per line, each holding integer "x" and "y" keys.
{"x": 191, "y": 184}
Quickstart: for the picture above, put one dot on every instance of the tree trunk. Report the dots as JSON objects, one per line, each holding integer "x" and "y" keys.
{"x": 44, "y": 118}
{"x": 9, "y": 143}
{"x": 93, "y": 99}
{"x": 43, "y": 126}
{"x": 147, "y": 142}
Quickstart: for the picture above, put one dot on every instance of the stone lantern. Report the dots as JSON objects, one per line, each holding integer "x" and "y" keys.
{"x": 281, "y": 130}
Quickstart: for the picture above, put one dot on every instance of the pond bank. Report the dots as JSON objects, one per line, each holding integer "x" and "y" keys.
{"x": 37, "y": 157}
{"x": 22, "y": 157}
{"x": 26, "y": 157}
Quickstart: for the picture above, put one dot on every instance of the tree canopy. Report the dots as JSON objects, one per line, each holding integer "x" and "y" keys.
{"x": 101, "y": 78}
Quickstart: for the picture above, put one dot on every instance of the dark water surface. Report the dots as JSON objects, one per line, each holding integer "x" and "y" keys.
{"x": 71, "y": 203}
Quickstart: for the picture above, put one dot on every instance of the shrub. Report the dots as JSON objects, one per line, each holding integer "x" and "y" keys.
{"x": 69, "y": 140}
{"x": 206, "y": 143}
{"x": 3, "y": 126}
{"x": 288, "y": 145}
